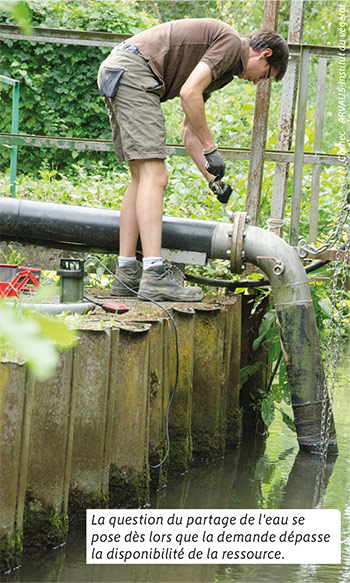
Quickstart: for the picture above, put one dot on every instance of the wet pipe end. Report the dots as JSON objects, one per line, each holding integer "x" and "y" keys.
{"x": 298, "y": 333}
{"x": 307, "y": 418}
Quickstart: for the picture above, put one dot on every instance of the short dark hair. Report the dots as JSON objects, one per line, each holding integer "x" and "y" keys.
{"x": 265, "y": 38}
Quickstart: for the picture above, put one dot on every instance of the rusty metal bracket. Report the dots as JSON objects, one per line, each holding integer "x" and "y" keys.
{"x": 240, "y": 219}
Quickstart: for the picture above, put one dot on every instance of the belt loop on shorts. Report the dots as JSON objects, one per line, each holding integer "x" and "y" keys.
{"x": 129, "y": 48}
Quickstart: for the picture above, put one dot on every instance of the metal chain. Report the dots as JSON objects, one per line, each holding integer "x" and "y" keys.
{"x": 335, "y": 323}
{"x": 333, "y": 336}
{"x": 304, "y": 248}
{"x": 339, "y": 316}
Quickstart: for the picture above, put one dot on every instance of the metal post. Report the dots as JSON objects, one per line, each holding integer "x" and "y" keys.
{"x": 299, "y": 145}
{"x": 316, "y": 169}
{"x": 14, "y": 129}
{"x": 288, "y": 101}
{"x": 261, "y": 112}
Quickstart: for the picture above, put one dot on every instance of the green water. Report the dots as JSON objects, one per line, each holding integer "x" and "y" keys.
{"x": 270, "y": 475}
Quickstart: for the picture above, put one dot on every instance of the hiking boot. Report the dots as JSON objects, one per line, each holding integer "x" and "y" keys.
{"x": 130, "y": 274}
{"x": 159, "y": 283}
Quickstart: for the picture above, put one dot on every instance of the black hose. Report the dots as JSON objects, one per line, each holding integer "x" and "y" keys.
{"x": 233, "y": 285}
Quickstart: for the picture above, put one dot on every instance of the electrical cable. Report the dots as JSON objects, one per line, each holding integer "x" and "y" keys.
{"x": 172, "y": 394}
{"x": 113, "y": 307}
{"x": 273, "y": 374}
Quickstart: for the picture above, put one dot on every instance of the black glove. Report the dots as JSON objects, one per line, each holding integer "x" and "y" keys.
{"x": 221, "y": 189}
{"x": 215, "y": 164}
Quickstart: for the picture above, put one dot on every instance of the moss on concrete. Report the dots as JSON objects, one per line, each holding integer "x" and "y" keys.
{"x": 180, "y": 453}
{"x": 79, "y": 501}
{"x": 158, "y": 475}
{"x": 154, "y": 383}
{"x": 127, "y": 488}
{"x": 11, "y": 548}
{"x": 234, "y": 420}
{"x": 42, "y": 525}
{"x": 208, "y": 446}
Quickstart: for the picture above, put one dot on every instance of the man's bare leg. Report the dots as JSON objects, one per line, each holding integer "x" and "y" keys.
{"x": 149, "y": 205}
{"x": 142, "y": 213}
{"x": 142, "y": 208}
{"x": 129, "y": 231}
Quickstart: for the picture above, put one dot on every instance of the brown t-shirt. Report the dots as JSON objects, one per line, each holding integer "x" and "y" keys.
{"x": 173, "y": 49}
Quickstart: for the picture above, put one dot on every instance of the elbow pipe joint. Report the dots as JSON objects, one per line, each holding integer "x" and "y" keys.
{"x": 297, "y": 325}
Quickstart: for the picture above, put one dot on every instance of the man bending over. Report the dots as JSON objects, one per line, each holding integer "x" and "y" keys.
{"x": 188, "y": 58}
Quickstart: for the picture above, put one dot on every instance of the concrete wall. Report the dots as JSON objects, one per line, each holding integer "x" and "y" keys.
{"x": 94, "y": 434}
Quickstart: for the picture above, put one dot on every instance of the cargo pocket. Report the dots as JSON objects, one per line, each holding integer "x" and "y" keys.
{"x": 158, "y": 89}
{"x": 110, "y": 79}
{"x": 151, "y": 84}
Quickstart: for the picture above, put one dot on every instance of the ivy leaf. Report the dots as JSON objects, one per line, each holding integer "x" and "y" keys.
{"x": 276, "y": 393}
{"x": 325, "y": 307}
{"x": 264, "y": 327}
{"x": 288, "y": 421}
{"x": 56, "y": 331}
{"x": 247, "y": 371}
{"x": 24, "y": 336}
{"x": 267, "y": 410}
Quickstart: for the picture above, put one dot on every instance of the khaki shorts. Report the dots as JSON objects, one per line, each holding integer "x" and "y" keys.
{"x": 135, "y": 113}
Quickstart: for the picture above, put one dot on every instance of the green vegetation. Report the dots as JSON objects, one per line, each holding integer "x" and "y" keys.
{"x": 43, "y": 526}
{"x": 33, "y": 338}
{"x": 58, "y": 82}
{"x": 279, "y": 393}
{"x": 59, "y": 97}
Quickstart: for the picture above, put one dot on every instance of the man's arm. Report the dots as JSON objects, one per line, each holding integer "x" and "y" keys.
{"x": 195, "y": 131}
{"x": 194, "y": 148}
{"x": 191, "y": 95}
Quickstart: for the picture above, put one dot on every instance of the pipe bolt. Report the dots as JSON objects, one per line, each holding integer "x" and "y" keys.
{"x": 278, "y": 269}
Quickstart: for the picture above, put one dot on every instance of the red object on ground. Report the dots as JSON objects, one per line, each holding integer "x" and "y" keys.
{"x": 14, "y": 279}
{"x": 114, "y": 307}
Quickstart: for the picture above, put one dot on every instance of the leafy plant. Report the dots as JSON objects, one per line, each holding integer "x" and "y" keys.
{"x": 34, "y": 338}
{"x": 14, "y": 258}
{"x": 59, "y": 93}
{"x": 19, "y": 11}
{"x": 278, "y": 392}
{"x": 31, "y": 336}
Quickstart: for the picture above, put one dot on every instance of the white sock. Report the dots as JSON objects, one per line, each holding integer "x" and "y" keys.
{"x": 151, "y": 262}
{"x": 122, "y": 261}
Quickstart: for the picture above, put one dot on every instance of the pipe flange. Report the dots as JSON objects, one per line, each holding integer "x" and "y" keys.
{"x": 238, "y": 227}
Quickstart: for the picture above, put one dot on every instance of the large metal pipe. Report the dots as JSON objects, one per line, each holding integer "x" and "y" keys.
{"x": 74, "y": 226}
{"x": 298, "y": 331}
{"x": 35, "y": 222}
